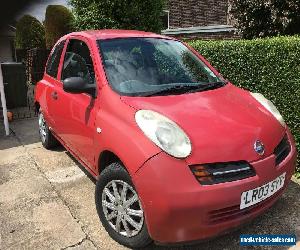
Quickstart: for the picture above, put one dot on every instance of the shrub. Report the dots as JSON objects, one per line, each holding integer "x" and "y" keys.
{"x": 30, "y": 33}
{"x": 270, "y": 66}
{"x": 122, "y": 14}
{"x": 256, "y": 18}
{"x": 58, "y": 22}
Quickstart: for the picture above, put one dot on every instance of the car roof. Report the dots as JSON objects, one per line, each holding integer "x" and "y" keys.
{"x": 115, "y": 33}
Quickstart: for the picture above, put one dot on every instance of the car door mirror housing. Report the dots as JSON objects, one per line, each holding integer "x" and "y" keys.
{"x": 77, "y": 85}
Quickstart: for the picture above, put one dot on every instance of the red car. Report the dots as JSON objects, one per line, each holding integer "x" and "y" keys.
{"x": 179, "y": 153}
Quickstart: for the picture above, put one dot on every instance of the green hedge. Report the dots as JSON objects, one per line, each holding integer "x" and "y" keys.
{"x": 30, "y": 33}
{"x": 270, "y": 66}
{"x": 58, "y": 22}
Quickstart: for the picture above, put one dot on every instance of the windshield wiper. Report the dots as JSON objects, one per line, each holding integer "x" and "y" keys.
{"x": 208, "y": 86}
{"x": 175, "y": 89}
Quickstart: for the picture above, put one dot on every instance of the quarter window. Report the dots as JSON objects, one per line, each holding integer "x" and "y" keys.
{"x": 78, "y": 62}
{"x": 54, "y": 58}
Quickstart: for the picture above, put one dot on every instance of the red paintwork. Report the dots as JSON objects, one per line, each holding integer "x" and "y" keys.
{"x": 219, "y": 123}
{"x": 177, "y": 208}
{"x": 222, "y": 125}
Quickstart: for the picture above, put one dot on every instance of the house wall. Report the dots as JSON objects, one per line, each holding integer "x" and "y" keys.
{"x": 200, "y": 19}
{"x": 191, "y": 13}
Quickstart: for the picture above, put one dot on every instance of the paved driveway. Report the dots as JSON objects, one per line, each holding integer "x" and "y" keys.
{"x": 47, "y": 201}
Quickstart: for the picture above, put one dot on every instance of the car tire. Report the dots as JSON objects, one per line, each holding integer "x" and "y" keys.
{"x": 111, "y": 210}
{"x": 47, "y": 139}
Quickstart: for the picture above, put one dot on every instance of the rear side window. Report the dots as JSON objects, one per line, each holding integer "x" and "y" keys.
{"x": 53, "y": 62}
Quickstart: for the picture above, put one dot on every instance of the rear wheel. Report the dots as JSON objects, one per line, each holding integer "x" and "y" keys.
{"x": 119, "y": 208}
{"x": 48, "y": 140}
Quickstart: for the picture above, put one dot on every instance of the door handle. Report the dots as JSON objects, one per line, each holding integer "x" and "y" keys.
{"x": 54, "y": 95}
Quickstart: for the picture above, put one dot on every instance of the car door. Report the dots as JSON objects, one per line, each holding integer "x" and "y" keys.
{"x": 76, "y": 112}
{"x": 51, "y": 84}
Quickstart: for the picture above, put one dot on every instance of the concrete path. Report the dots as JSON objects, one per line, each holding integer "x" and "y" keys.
{"x": 47, "y": 201}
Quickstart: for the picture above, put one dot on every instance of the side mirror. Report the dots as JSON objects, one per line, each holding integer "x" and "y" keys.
{"x": 77, "y": 85}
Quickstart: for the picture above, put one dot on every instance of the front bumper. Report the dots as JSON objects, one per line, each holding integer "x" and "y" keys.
{"x": 179, "y": 209}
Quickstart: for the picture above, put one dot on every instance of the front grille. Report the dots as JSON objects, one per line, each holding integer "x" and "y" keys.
{"x": 234, "y": 212}
{"x": 282, "y": 150}
{"x": 213, "y": 173}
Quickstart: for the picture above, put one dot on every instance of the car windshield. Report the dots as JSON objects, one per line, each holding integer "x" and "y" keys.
{"x": 154, "y": 66}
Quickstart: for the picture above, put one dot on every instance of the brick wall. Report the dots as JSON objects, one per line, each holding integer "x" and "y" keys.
{"x": 188, "y": 13}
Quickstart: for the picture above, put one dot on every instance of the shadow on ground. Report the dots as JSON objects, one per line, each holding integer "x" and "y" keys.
{"x": 27, "y": 130}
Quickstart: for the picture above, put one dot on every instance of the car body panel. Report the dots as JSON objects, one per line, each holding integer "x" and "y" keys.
{"x": 228, "y": 120}
{"x": 77, "y": 116}
{"x": 116, "y": 120}
{"x": 112, "y": 34}
{"x": 178, "y": 208}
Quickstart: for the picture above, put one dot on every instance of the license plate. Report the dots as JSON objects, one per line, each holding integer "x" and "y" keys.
{"x": 261, "y": 193}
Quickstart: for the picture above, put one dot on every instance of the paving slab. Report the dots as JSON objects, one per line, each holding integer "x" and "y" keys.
{"x": 26, "y": 131}
{"x": 32, "y": 214}
{"x": 47, "y": 224}
{"x": 82, "y": 204}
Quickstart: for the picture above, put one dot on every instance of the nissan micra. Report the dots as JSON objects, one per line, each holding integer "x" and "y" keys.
{"x": 179, "y": 153}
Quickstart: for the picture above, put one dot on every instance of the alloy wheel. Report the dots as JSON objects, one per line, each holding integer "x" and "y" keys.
{"x": 122, "y": 208}
{"x": 42, "y": 127}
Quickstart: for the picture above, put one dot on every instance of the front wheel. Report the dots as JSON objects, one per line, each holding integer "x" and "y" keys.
{"x": 48, "y": 140}
{"x": 119, "y": 208}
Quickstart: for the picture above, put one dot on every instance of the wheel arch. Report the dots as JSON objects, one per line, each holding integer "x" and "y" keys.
{"x": 106, "y": 157}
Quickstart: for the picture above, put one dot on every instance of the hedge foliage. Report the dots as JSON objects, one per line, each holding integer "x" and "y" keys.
{"x": 58, "y": 22}
{"x": 270, "y": 66}
{"x": 118, "y": 14}
{"x": 30, "y": 33}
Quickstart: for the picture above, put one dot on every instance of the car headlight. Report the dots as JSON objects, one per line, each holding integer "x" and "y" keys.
{"x": 165, "y": 133}
{"x": 269, "y": 106}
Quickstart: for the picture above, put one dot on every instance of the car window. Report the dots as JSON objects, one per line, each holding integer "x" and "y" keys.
{"x": 144, "y": 66}
{"x": 179, "y": 64}
{"x": 54, "y": 58}
{"x": 78, "y": 62}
